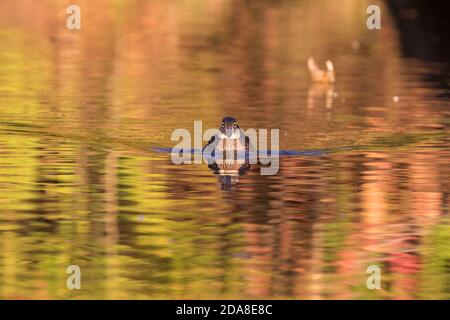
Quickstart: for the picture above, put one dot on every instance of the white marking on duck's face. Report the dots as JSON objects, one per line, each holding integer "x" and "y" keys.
{"x": 230, "y": 134}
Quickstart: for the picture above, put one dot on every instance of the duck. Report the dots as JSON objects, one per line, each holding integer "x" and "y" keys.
{"x": 229, "y": 139}
{"x": 321, "y": 76}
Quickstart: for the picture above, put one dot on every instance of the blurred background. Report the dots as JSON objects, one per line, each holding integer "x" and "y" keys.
{"x": 80, "y": 111}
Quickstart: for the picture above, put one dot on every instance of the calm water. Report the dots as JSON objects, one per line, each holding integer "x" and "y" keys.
{"x": 79, "y": 183}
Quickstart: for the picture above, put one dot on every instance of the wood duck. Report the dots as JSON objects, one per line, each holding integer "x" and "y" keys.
{"x": 230, "y": 139}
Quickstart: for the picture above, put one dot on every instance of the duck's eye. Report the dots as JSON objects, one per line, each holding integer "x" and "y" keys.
{"x": 234, "y": 125}
{"x": 223, "y": 124}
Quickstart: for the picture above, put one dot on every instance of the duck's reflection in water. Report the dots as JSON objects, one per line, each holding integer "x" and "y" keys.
{"x": 317, "y": 92}
{"x": 229, "y": 171}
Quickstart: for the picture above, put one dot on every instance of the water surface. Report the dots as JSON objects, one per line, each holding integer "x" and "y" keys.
{"x": 81, "y": 183}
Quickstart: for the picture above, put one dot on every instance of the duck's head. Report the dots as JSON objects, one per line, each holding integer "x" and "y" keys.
{"x": 229, "y": 127}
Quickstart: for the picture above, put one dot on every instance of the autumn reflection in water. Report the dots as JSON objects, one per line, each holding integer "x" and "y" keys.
{"x": 79, "y": 183}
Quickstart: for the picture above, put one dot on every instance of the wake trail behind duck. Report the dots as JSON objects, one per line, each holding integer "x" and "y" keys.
{"x": 261, "y": 153}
